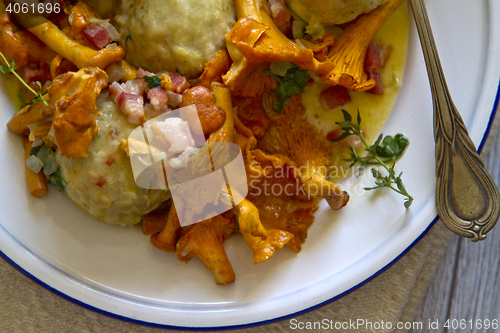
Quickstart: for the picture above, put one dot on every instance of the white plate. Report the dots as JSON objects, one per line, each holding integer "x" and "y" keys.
{"x": 117, "y": 271}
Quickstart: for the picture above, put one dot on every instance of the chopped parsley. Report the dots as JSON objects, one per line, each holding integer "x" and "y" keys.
{"x": 57, "y": 179}
{"x": 50, "y": 167}
{"x": 36, "y": 150}
{"x": 128, "y": 38}
{"x": 292, "y": 83}
{"x": 153, "y": 81}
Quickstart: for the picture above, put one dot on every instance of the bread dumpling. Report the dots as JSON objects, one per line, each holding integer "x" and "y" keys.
{"x": 330, "y": 12}
{"x": 174, "y": 35}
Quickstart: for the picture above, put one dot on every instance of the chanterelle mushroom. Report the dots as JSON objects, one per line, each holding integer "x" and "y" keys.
{"x": 74, "y": 96}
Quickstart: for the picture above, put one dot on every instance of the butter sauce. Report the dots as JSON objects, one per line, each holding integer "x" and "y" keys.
{"x": 374, "y": 109}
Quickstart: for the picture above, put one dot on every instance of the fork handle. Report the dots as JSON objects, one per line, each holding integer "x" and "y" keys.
{"x": 467, "y": 198}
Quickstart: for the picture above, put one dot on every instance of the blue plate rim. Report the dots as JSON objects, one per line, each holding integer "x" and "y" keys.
{"x": 264, "y": 322}
{"x": 258, "y": 323}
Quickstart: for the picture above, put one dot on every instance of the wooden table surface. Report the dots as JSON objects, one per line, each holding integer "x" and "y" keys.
{"x": 467, "y": 284}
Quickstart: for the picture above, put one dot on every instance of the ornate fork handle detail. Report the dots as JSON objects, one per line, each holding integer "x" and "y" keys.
{"x": 466, "y": 196}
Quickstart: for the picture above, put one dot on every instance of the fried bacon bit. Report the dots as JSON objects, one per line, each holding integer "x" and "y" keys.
{"x": 111, "y": 159}
{"x": 204, "y": 240}
{"x": 179, "y": 82}
{"x": 101, "y": 181}
{"x": 280, "y": 12}
{"x": 334, "y": 96}
{"x": 352, "y": 140}
{"x": 137, "y": 87}
{"x": 97, "y": 35}
{"x": 81, "y": 14}
{"x": 75, "y": 116}
{"x": 378, "y": 89}
{"x": 158, "y": 100}
{"x": 128, "y": 97}
{"x": 142, "y": 73}
{"x": 376, "y": 58}
{"x": 132, "y": 105}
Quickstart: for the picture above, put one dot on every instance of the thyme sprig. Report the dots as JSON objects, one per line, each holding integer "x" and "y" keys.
{"x": 384, "y": 152}
{"x": 9, "y": 68}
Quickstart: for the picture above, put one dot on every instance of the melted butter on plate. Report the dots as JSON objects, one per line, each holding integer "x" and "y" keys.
{"x": 374, "y": 109}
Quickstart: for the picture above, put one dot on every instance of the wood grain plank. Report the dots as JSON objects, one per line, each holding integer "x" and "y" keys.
{"x": 435, "y": 305}
{"x": 467, "y": 284}
{"x": 477, "y": 279}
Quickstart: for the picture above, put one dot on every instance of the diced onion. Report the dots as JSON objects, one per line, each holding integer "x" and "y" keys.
{"x": 44, "y": 153}
{"x": 298, "y": 28}
{"x": 50, "y": 165}
{"x": 46, "y": 85}
{"x": 34, "y": 163}
{"x": 111, "y": 46}
{"x": 314, "y": 76}
{"x": 315, "y": 28}
{"x": 37, "y": 142}
{"x": 108, "y": 26}
{"x": 98, "y": 21}
{"x": 280, "y": 68}
{"x": 70, "y": 18}
{"x": 299, "y": 43}
{"x": 115, "y": 72}
{"x": 173, "y": 98}
{"x": 32, "y": 127}
{"x": 51, "y": 132}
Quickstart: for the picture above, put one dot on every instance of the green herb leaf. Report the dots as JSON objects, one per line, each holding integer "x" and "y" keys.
{"x": 292, "y": 83}
{"x": 128, "y": 38}
{"x": 384, "y": 152}
{"x": 304, "y": 32}
{"x": 392, "y": 147}
{"x": 153, "y": 81}
{"x": 35, "y": 150}
{"x": 10, "y": 69}
{"x": 57, "y": 179}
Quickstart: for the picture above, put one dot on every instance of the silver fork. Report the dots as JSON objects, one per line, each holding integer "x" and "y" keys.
{"x": 467, "y": 198}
